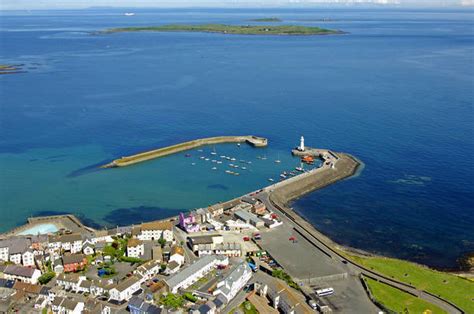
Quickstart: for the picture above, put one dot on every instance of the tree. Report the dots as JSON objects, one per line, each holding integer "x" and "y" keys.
{"x": 46, "y": 277}
{"x": 162, "y": 242}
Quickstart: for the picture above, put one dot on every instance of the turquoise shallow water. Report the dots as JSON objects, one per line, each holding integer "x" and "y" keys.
{"x": 396, "y": 91}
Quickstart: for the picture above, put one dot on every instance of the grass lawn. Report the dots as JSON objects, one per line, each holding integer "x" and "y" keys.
{"x": 399, "y": 301}
{"x": 459, "y": 291}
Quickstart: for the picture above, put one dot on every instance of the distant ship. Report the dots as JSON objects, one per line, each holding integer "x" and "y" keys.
{"x": 129, "y": 14}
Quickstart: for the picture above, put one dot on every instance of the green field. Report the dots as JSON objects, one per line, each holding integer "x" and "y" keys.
{"x": 453, "y": 288}
{"x": 231, "y": 29}
{"x": 399, "y": 301}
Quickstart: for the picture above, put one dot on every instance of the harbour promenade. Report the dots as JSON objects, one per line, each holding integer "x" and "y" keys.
{"x": 173, "y": 149}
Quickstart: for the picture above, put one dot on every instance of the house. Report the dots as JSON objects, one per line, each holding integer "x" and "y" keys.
{"x": 259, "y": 208}
{"x": 135, "y": 248}
{"x": 207, "y": 308}
{"x": 234, "y": 281}
{"x": 188, "y": 223}
{"x": 215, "y": 210}
{"x": 102, "y": 236}
{"x": 58, "y": 267}
{"x": 149, "y": 269}
{"x": 137, "y": 305}
{"x": 94, "y": 307}
{"x": 28, "y": 258}
{"x": 125, "y": 289}
{"x": 68, "y": 242}
{"x": 177, "y": 254}
{"x": 156, "y": 230}
{"x": 194, "y": 272}
{"x": 249, "y": 218}
{"x": 213, "y": 239}
{"x": 22, "y": 273}
{"x": 27, "y": 288}
{"x": 155, "y": 290}
{"x": 69, "y": 281}
{"x": 62, "y": 305}
{"x": 74, "y": 262}
{"x": 283, "y": 297}
{"x": 88, "y": 249}
{"x": 12, "y": 249}
{"x": 84, "y": 286}
{"x": 100, "y": 287}
{"x": 172, "y": 268}
{"x": 228, "y": 249}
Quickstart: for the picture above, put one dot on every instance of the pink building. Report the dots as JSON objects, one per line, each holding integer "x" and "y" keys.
{"x": 188, "y": 223}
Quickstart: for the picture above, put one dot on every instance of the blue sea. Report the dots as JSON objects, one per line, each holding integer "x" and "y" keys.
{"x": 396, "y": 91}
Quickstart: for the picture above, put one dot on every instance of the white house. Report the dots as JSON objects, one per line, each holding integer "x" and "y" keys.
{"x": 135, "y": 248}
{"x": 125, "y": 289}
{"x": 177, "y": 254}
{"x": 67, "y": 242}
{"x": 156, "y": 230}
{"x": 88, "y": 249}
{"x": 234, "y": 281}
{"x": 149, "y": 269}
{"x": 13, "y": 248}
{"x": 28, "y": 258}
{"x": 69, "y": 281}
{"x": 62, "y": 305}
{"x": 22, "y": 273}
{"x": 194, "y": 272}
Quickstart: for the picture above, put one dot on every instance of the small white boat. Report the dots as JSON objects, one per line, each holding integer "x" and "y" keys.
{"x": 193, "y": 164}
{"x": 282, "y": 176}
{"x": 206, "y": 159}
{"x": 238, "y": 144}
{"x": 231, "y": 165}
{"x": 200, "y": 150}
{"x": 222, "y": 156}
{"x": 236, "y": 174}
{"x": 300, "y": 169}
{"x": 219, "y": 162}
{"x": 264, "y": 158}
{"x": 229, "y": 172}
{"x": 249, "y": 162}
{"x": 244, "y": 168}
{"x": 277, "y": 161}
{"x": 214, "y": 168}
{"x": 213, "y": 151}
{"x": 228, "y": 158}
{"x": 202, "y": 157}
{"x": 232, "y": 159}
{"x": 129, "y": 14}
{"x": 271, "y": 180}
{"x": 236, "y": 166}
{"x": 213, "y": 160}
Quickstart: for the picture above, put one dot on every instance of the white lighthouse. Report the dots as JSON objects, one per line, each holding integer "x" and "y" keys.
{"x": 301, "y": 148}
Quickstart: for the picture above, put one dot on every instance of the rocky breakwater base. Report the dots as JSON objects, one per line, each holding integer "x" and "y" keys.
{"x": 173, "y": 149}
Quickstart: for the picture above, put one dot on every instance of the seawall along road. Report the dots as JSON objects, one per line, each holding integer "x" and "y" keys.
{"x": 173, "y": 149}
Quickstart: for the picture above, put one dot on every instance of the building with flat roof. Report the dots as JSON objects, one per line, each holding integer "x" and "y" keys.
{"x": 234, "y": 281}
{"x": 249, "y": 218}
{"x": 194, "y": 272}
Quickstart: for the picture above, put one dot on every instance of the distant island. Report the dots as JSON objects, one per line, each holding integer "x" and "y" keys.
{"x": 267, "y": 19}
{"x": 231, "y": 29}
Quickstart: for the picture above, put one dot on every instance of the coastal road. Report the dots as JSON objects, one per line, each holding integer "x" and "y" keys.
{"x": 304, "y": 229}
{"x": 313, "y": 269}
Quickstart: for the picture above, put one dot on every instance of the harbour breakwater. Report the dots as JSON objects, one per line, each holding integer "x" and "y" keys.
{"x": 173, "y": 149}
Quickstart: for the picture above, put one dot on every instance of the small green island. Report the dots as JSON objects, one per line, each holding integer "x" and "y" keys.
{"x": 231, "y": 29}
{"x": 267, "y": 19}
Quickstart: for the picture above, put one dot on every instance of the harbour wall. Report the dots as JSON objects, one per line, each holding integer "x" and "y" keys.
{"x": 169, "y": 150}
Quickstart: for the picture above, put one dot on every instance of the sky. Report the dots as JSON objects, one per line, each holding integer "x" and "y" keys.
{"x": 79, "y": 4}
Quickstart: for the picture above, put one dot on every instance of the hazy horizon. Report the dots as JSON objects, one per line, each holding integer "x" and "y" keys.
{"x": 87, "y": 4}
